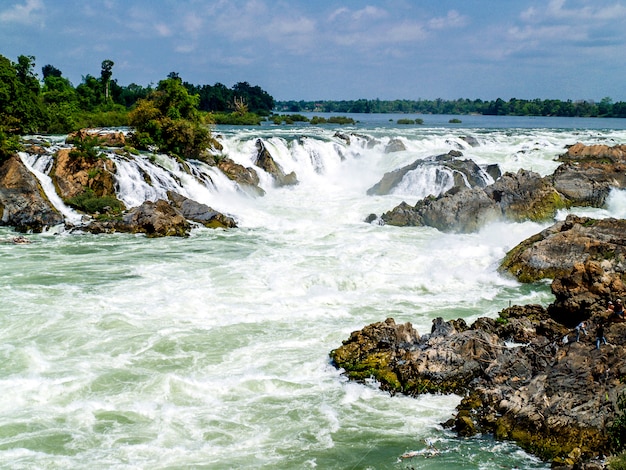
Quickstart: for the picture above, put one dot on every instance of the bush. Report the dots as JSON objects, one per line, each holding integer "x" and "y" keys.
{"x": 617, "y": 430}
{"x": 87, "y": 148}
{"x": 90, "y": 203}
{"x": 617, "y": 462}
{"x": 235, "y": 119}
{"x": 169, "y": 119}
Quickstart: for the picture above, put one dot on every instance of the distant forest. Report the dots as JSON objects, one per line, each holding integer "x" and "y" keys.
{"x": 52, "y": 104}
{"x": 514, "y": 107}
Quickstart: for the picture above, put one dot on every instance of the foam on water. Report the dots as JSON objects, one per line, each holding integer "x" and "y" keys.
{"x": 212, "y": 351}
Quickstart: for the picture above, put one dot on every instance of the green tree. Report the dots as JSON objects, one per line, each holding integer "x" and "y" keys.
{"x": 169, "y": 119}
{"x": 105, "y": 75}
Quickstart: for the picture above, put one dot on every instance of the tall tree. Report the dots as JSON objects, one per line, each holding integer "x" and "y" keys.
{"x": 105, "y": 74}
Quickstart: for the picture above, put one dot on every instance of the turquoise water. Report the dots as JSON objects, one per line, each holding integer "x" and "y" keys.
{"x": 118, "y": 351}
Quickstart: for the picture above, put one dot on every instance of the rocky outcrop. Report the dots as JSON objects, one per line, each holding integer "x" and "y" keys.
{"x": 265, "y": 161}
{"x": 104, "y": 138}
{"x": 521, "y": 196}
{"x": 73, "y": 174}
{"x": 247, "y": 178}
{"x": 464, "y": 173}
{"x": 200, "y": 213}
{"x": 554, "y": 251}
{"x": 585, "y": 178}
{"x": 155, "y": 219}
{"x": 23, "y": 203}
{"x": 395, "y": 145}
{"x": 589, "y": 172}
{"x": 520, "y": 381}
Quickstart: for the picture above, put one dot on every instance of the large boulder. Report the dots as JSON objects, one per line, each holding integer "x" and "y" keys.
{"x": 104, "y": 138}
{"x": 520, "y": 196}
{"x": 265, "y": 161}
{"x": 199, "y": 212}
{"x": 23, "y": 203}
{"x": 554, "y": 251}
{"x": 449, "y": 170}
{"x": 247, "y": 178}
{"x": 155, "y": 219}
{"x": 73, "y": 174}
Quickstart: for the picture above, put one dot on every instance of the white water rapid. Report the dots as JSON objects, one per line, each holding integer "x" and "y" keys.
{"x": 211, "y": 352}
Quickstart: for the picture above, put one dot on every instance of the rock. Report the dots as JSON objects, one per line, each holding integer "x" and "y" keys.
{"x": 585, "y": 178}
{"x": 465, "y": 210}
{"x": 23, "y": 203}
{"x": 554, "y": 251}
{"x": 464, "y": 173}
{"x": 103, "y": 137}
{"x": 265, "y": 161}
{"x": 471, "y": 140}
{"x": 155, "y": 219}
{"x": 521, "y": 196}
{"x": 395, "y": 145}
{"x": 556, "y": 401}
{"x": 247, "y": 178}
{"x": 582, "y": 152}
{"x": 72, "y": 175}
{"x": 200, "y": 213}
{"x": 525, "y": 195}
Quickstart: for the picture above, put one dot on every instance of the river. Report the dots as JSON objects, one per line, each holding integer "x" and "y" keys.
{"x": 211, "y": 352}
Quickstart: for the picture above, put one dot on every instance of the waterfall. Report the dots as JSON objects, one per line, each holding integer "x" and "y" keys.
{"x": 40, "y": 166}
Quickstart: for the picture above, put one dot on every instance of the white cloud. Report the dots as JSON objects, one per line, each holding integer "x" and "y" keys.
{"x": 163, "y": 30}
{"x": 452, "y": 20}
{"x": 26, "y": 13}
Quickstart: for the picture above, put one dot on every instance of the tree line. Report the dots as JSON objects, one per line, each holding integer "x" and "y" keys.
{"x": 52, "y": 104}
{"x": 514, "y": 107}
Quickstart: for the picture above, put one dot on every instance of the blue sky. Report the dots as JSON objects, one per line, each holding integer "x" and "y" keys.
{"x": 326, "y": 49}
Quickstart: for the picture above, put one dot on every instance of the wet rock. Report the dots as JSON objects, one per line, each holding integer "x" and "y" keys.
{"x": 553, "y": 399}
{"x": 521, "y": 196}
{"x": 73, "y": 174}
{"x": 554, "y": 251}
{"x": 462, "y": 210}
{"x": 23, "y": 203}
{"x": 200, "y": 213}
{"x": 247, "y": 178}
{"x": 462, "y": 173}
{"x": 265, "y": 161}
{"x": 395, "y": 145}
{"x": 155, "y": 219}
{"x": 471, "y": 140}
{"x": 104, "y": 138}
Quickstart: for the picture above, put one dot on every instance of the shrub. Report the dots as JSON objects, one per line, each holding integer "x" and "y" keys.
{"x": 88, "y": 202}
{"x": 87, "y": 148}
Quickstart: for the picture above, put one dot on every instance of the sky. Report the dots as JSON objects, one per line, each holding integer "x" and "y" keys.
{"x": 335, "y": 50}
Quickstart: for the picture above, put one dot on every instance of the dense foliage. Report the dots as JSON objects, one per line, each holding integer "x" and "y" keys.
{"x": 514, "y": 107}
{"x": 53, "y": 105}
{"x": 168, "y": 119}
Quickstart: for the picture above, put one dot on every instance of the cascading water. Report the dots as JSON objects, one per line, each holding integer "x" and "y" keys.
{"x": 118, "y": 351}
